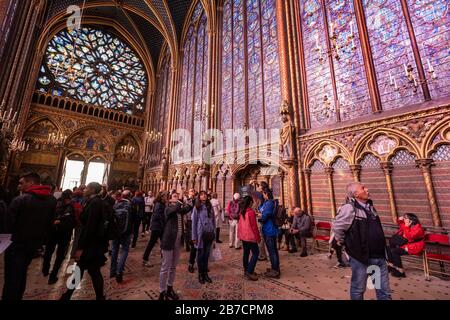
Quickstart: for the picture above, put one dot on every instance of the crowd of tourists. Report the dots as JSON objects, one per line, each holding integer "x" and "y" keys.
{"x": 93, "y": 223}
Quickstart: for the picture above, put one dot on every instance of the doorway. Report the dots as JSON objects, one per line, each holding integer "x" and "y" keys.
{"x": 96, "y": 172}
{"x": 73, "y": 174}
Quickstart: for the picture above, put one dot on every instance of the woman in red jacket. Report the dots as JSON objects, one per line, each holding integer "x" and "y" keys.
{"x": 249, "y": 234}
{"x": 410, "y": 239}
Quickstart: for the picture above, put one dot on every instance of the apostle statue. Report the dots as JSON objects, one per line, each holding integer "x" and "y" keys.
{"x": 287, "y": 134}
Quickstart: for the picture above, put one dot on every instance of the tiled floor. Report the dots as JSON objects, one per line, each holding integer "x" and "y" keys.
{"x": 309, "y": 278}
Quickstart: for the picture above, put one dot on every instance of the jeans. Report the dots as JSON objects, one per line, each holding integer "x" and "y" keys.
{"x": 302, "y": 236}
{"x": 60, "y": 241}
{"x": 169, "y": 263}
{"x": 233, "y": 236}
{"x": 124, "y": 243}
{"x": 192, "y": 255}
{"x": 249, "y": 266}
{"x": 203, "y": 257}
{"x": 146, "y": 221}
{"x": 136, "y": 226}
{"x": 154, "y": 236}
{"x": 17, "y": 260}
{"x": 360, "y": 275}
{"x": 272, "y": 249}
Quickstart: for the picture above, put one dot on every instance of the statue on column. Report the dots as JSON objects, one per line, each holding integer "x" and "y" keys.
{"x": 165, "y": 161}
{"x": 287, "y": 134}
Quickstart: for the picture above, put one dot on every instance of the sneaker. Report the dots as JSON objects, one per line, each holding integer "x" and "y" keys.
{"x": 262, "y": 259}
{"x": 119, "y": 278}
{"x": 251, "y": 276}
{"x": 162, "y": 296}
{"x": 239, "y": 248}
{"x": 191, "y": 268}
{"x": 147, "y": 264}
{"x": 230, "y": 246}
{"x": 273, "y": 274}
{"x": 398, "y": 274}
{"x": 339, "y": 265}
{"x": 303, "y": 254}
{"x": 171, "y": 294}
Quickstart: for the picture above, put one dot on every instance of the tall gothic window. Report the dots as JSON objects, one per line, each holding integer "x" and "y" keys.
{"x": 250, "y": 67}
{"x": 194, "y": 79}
{"x": 431, "y": 21}
{"x": 391, "y": 51}
{"x": 96, "y": 67}
{"x": 346, "y": 95}
{"x": 162, "y": 106}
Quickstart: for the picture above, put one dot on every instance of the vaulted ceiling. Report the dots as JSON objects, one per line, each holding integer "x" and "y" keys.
{"x": 151, "y": 22}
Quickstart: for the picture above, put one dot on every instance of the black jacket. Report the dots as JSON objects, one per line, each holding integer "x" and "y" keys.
{"x": 361, "y": 230}
{"x": 170, "y": 232}
{"x": 30, "y": 216}
{"x": 92, "y": 241}
{"x": 157, "y": 222}
{"x": 65, "y": 213}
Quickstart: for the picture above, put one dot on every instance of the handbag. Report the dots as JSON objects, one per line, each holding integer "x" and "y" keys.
{"x": 398, "y": 241}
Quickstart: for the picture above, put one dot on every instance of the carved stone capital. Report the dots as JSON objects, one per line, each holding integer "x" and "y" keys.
{"x": 425, "y": 164}
{"x": 329, "y": 171}
{"x": 307, "y": 172}
{"x": 387, "y": 167}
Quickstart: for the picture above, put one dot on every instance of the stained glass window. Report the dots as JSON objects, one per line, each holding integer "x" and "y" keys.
{"x": 391, "y": 51}
{"x": 162, "y": 106}
{"x": 250, "y": 65}
{"x": 96, "y": 67}
{"x": 194, "y": 79}
{"x": 348, "y": 66}
{"x": 322, "y": 107}
{"x": 431, "y": 21}
{"x": 351, "y": 82}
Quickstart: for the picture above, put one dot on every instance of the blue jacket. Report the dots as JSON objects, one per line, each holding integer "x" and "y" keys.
{"x": 269, "y": 229}
{"x": 200, "y": 223}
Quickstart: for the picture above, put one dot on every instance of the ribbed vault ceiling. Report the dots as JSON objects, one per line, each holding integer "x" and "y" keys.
{"x": 149, "y": 21}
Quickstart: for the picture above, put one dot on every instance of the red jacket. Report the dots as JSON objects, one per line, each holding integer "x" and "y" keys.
{"x": 248, "y": 227}
{"x": 415, "y": 236}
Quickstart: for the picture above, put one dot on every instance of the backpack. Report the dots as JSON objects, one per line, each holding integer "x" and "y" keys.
{"x": 122, "y": 215}
{"x": 234, "y": 210}
{"x": 280, "y": 214}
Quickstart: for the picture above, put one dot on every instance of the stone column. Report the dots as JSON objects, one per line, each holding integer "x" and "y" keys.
{"x": 282, "y": 195}
{"x": 356, "y": 172}
{"x": 329, "y": 171}
{"x": 224, "y": 179}
{"x": 425, "y": 167}
{"x": 214, "y": 184}
{"x": 387, "y": 169}
{"x": 307, "y": 174}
